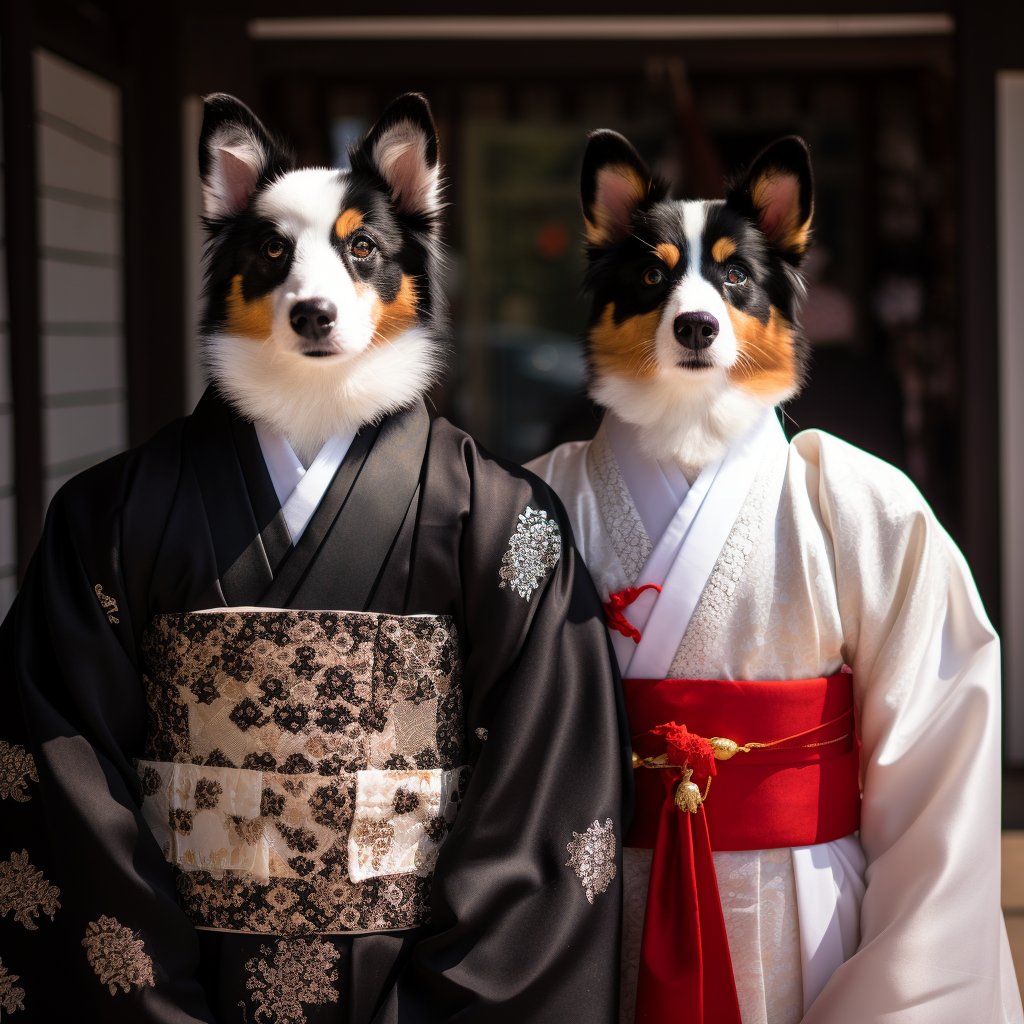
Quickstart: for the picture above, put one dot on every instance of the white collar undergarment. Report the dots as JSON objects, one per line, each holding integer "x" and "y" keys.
{"x": 299, "y": 489}
{"x": 657, "y": 487}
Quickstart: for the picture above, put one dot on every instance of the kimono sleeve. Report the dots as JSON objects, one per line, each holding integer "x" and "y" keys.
{"x": 526, "y": 898}
{"x": 88, "y": 911}
{"x": 925, "y": 661}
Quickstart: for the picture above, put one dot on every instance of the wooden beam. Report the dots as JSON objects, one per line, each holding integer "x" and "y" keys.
{"x": 988, "y": 37}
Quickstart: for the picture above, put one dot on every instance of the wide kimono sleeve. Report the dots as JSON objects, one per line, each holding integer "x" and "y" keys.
{"x": 526, "y": 898}
{"x": 926, "y": 671}
{"x": 90, "y": 927}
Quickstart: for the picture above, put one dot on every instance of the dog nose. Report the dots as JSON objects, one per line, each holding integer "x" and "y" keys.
{"x": 313, "y": 318}
{"x": 695, "y": 330}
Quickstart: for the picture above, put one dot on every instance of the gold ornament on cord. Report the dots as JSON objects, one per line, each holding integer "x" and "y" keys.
{"x": 724, "y": 748}
{"x": 688, "y": 796}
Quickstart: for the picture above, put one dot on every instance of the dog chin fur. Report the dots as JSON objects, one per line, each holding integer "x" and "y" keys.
{"x": 687, "y": 421}
{"x": 310, "y": 400}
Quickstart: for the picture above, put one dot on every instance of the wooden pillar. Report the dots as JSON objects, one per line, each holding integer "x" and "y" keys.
{"x": 21, "y": 218}
{"x": 153, "y": 233}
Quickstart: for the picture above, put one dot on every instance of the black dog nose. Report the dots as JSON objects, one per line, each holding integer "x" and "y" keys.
{"x": 695, "y": 330}
{"x": 313, "y": 318}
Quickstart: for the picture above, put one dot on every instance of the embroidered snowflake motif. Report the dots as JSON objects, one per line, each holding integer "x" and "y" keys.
{"x": 25, "y": 892}
{"x": 297, "y": 971}
{"x": 533, "y": 551}
{"x": 12, "y": 997}
{"x": 17, "y": 768}
{"x": 592, "y": 857}
{"x": 117, "y": 957}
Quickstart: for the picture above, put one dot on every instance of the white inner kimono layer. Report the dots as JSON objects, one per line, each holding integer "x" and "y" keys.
{"x": 299, "y": 488}
{"x": 788, "y": 561}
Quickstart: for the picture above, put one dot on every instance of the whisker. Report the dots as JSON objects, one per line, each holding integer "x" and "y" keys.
{"x": 642, "y": 241}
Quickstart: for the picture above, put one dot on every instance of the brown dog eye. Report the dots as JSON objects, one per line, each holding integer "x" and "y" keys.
{"x": 362, "y": 248}
{"x": 653, "y": 276}
{"x": 734, "y": 275}
{"x": 274, "y": 248}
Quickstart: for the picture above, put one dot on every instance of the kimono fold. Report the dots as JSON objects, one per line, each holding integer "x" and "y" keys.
{"x": 789, "y": 561}
{"x": 375, "y": 775}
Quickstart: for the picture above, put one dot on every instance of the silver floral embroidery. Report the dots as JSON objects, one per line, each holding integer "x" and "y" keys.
{"x": 533, "y": 551}
{"x": 24, "y": 891}
{"x": 12, "y": 997}
{"x": 621, "y": 520}
{"x": 592, "y": 857}
{"x": 16, "y": 769}
{"x": 108, "y": 604}
{"x": 481, "y": 733}
{"x": 118, "y": 958}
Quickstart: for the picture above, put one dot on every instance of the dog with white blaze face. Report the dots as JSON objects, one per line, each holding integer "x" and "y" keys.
{"x": 803, "y": 651}
{"x": 693, "y": 332}
{"x": 306, "y": 645}
{"x": 322, "y": 310}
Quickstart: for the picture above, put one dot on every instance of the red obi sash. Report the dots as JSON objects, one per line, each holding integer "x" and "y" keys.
{"x": 789, "y": 777}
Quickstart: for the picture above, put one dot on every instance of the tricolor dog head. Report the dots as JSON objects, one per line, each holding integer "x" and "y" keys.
{"x": 693, "y": 331}
{"x": 321, "y": 299}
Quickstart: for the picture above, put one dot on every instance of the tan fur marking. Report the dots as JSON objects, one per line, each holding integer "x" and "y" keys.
{"x": 722, "y": 249}
{"x": 606, "y": 228}
{"x": 785, "y": 230}
{"x": 248, "y": 319}
{"x": 625, "y": 349}
{"x": 395, "y": 317}
{"x": 767, "y": 355}
{"x": 350, "y": 221}
{"x": 668, "y": 253}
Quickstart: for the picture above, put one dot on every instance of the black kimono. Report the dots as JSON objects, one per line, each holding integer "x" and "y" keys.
{"x": 376, "y": 776}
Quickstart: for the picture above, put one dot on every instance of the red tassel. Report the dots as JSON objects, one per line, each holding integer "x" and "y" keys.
{"x": 613, "y": 609}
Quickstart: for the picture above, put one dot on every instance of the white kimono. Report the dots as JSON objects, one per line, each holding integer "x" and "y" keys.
{"x": 787, "y": 561}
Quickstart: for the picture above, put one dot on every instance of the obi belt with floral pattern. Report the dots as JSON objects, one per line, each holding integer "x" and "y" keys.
{"x": 302, "y": 768}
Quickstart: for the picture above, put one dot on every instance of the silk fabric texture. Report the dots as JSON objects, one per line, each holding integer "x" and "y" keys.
{"x": 191, "y": 521}
{"x": 817, "y": 555}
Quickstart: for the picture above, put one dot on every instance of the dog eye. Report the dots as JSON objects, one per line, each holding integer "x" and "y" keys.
{"x": 735, "y": 275}
{"x": 362, "y": 248}
{"x": 653, "y": 276}
{"x": 274, "y": 248}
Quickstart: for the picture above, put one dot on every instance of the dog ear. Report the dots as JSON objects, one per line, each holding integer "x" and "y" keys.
{"x": 777, "y": 193}
{"x": 235, "y": 153}
{"x": 402, "y": 149}
{"x": 615, "y": 183}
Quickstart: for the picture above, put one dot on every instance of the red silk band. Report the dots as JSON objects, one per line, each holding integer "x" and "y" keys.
{"x": 801, "y": 791}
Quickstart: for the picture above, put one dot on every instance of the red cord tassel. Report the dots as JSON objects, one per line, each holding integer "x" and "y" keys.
{"x": 621, "y": 599}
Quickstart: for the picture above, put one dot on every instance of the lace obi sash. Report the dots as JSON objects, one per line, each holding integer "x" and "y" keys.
{"x": 302, "y": 768}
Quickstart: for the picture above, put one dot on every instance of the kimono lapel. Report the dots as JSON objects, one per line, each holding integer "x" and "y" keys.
{"x": 339, "y": 557}
{"x": 687, "y": 551}
{"x": 620, "y": 520}
{"x": 301, "y": 505}
{"x": 246, "y": 525}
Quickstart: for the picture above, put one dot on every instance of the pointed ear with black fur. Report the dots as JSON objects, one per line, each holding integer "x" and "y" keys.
{"x": 777, "y": 193}
{"x": 402, "y": 149}
{"x": 615, "y": 183}
{"x": 235, "y": 153}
